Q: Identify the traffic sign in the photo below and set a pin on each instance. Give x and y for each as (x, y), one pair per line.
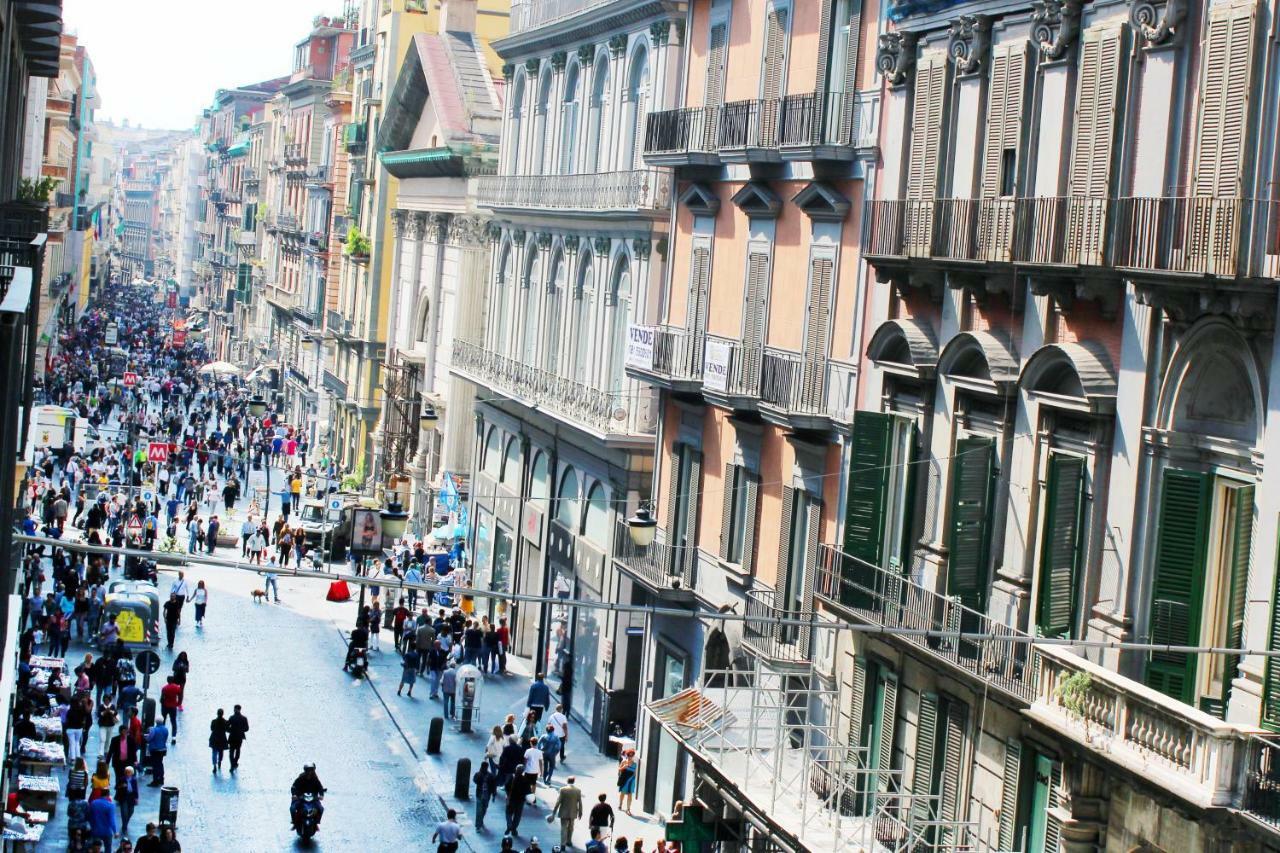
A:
(134, 525)
(158, 451)
(148, 662)
(148, 496)
(336, 503)
(130, 379)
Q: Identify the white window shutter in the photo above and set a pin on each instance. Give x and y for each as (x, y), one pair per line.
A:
(1089, 178)
(927, 110)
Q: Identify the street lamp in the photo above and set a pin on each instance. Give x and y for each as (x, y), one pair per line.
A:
(394, 520)
(642, 527)
(257, 406)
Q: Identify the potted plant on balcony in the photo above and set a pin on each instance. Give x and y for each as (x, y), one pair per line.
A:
(358, 245)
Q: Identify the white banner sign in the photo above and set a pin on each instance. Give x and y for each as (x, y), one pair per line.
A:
(640, 347)
(715, 365)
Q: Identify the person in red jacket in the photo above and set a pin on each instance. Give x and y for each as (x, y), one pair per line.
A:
(170, 698)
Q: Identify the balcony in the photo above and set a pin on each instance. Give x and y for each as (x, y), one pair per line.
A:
(295, 154)
(356, 136)
(805, 393)
(773, 632)
(250, 177)
(247, 238)
(731, 373)
(635, 193)
(995, 654)
(813, 126)
(611, 416)
(667, 356)
(1197, 757)
(318, 175)
(666, 570)
(528, 14)
(1187, 236)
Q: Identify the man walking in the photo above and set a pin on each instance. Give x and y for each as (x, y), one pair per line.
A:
(568, 808)
(170, 699)
(448, 689)
(423, 637)
(157, 749)
(561, 723)
(601, 817)
(539, 697)
(549, 744)
(102, 820)
(237, 731)
(172, 616)
(447, 833)
(126, 797)
(486, 781)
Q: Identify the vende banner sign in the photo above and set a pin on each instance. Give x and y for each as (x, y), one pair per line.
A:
(113, 335)
(158, 451)
(180, 337)
(130, 379)
(715, 365)
(640, 340)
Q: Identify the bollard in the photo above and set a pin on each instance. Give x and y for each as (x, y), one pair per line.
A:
(462, 781)
(148, 713)
(434, 734)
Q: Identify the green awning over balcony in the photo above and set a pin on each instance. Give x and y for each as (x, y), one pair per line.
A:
(442, 161)
(239, 149)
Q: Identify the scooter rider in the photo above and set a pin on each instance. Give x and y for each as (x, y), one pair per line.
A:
(306, 783)
(359, 645)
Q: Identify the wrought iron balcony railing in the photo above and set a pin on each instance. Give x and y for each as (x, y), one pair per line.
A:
(356, 136)
(610, 413)
(772, 631)
(1262, 779)
(809, 126)
(294, 154)
(662, 565)
(1199, 235)
(638, 190)
(996, 653)
(673, 354)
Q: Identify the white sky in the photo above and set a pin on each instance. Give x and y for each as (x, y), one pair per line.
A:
(160, 61)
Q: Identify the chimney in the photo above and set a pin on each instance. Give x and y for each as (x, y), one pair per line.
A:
(458, 16)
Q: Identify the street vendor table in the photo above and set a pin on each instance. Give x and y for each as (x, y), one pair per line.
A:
(38, 793)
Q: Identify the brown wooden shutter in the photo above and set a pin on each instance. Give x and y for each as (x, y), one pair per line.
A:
(817, 331)
(673, 490)
(1089, 178)
(927, 111)
(726, 511)
(784, 540)
(1226, 75)
(717, 56)
(1009, 794)
(922, 771)
(755, 308)
(1004, 133)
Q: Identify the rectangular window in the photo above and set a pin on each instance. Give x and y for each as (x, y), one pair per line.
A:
(736, 493)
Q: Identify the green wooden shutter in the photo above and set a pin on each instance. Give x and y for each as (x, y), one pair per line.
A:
(922, 772)
(1178, 585)
(888, 721)
(1060, 546)
(952, 801)
(869, 459)
(1009, 794)
(751, 482)
(1052, 823)
(1241, 549)
(1271, 677)
(969, 542)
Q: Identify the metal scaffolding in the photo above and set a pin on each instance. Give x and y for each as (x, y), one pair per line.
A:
(400, 417)
(768, 736)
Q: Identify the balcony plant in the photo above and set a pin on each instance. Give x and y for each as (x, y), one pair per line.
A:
(354, 481)
(36, 191)
(358, 245)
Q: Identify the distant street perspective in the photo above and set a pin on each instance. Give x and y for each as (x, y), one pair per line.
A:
(640, 426)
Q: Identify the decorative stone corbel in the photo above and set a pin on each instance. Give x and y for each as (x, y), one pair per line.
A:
(600, 246)
(494, 231)
(543, 239)
(970, 43)
(617, 44)
(558, 60)
(531, 67)
(517, 236)
(1055, 25)
(1153, 29)
(896, 56)
(571, 242)
(640, 248)
(508, 71)
(586, 53)
(658, 31)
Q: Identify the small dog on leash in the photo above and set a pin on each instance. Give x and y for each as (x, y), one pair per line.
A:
(259, 594)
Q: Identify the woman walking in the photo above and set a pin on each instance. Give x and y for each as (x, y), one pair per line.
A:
(201, 599)
(628, 769)
(375, 624)
(218, 739)
(181, 667)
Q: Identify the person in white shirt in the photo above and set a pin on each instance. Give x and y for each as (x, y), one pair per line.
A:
(561, 724)
(532, 768)
(180, 587)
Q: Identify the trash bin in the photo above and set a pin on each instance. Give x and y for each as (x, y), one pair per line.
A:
(169, 805)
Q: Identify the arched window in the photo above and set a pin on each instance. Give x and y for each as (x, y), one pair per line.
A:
(620, 311)
(517, 125)
(597, 119)
(540, 158)
(569, 114)
(540, 481)
(492, 453)
(556, 285)
(511, 464)
(531, 291)
(422, 324)
(503, 287)
(567, 500)
(637, 106)
(596, 524)
(580, 321)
